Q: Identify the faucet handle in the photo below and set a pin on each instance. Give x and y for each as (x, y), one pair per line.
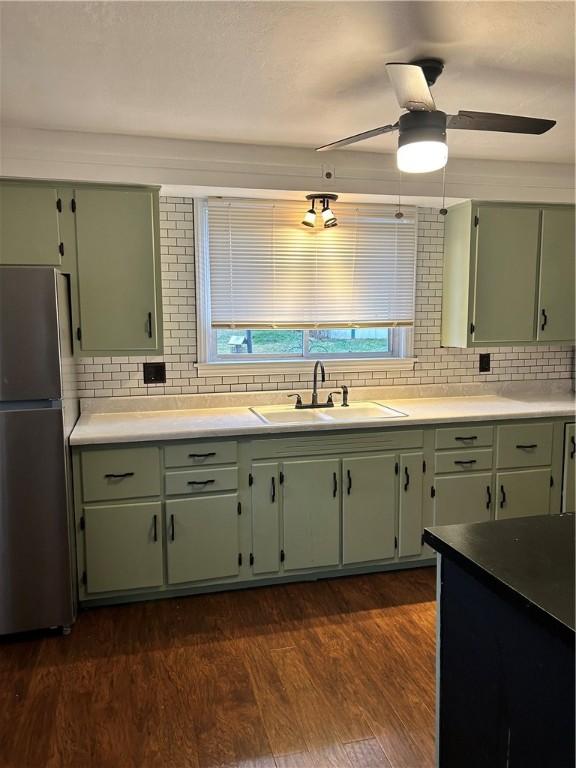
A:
(298, 400)
(344, 396)
(330, 400)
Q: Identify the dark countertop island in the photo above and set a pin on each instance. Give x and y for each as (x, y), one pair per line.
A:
(505, 667)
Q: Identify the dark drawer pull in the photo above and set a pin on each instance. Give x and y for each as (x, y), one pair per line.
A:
(488, 497)
(573, 451)
(171, 527)
(407, 478)
(527, 447)
(200, 482)
(273, 490)
(502, 496)
(201, 455)
(149, 325)
(544, 320)
(472, 437)
(334, 484)
(349, 475)
(468, 461)
(155, 528)
(119, 477)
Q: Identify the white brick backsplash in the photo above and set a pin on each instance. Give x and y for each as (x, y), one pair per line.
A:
(122, 376)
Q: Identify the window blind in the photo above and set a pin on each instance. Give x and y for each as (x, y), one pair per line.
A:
(268, 271)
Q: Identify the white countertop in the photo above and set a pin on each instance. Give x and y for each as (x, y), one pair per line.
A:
(155, 425)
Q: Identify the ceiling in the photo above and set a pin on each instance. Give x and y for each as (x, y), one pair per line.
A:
(286, 73)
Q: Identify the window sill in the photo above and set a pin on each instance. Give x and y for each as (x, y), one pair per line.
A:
(264, 367)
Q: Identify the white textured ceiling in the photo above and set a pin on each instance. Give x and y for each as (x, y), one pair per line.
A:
(286, 73)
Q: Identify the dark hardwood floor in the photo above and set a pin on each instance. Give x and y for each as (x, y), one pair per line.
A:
(330, 674)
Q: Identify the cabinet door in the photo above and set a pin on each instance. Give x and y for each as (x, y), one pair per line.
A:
(557, 277)
(123, 546)
(569, 478)
(265, 517)
(523, 493)
(368, 508)
(505, 275)
(311, 513)
(29, 225)
(203, 538)
(118, 276)
(410, 507)
(463, 498)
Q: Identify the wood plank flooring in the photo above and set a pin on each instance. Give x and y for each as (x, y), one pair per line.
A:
(329, 674)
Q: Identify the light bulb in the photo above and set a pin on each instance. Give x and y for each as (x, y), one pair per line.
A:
(422, 156)
(309, 219)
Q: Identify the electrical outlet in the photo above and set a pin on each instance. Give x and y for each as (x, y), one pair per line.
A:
(154, 373)
(484, 364)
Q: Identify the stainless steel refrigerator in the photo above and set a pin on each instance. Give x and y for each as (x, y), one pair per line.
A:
(38, 409)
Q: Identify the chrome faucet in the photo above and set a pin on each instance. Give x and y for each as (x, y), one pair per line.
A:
(317, 364)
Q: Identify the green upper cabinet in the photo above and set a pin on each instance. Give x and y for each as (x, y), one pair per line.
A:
(29, 225)
(504, 264)
(557, 276)
(118, 270)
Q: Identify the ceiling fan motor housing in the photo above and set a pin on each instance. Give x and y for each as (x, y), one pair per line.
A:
(422, 126)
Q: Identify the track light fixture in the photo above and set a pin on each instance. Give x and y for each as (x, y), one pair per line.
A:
(328, 218)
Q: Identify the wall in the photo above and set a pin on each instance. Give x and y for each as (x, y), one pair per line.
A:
(122, 376)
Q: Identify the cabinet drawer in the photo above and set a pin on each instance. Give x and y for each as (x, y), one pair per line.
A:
(120, 473)
(201, 481)
(465, 437)
(524, 445)
(462, 461)
(201, 454)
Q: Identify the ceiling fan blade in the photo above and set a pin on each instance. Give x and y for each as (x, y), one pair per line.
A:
(410, 87)
(358, 137)
(489, 121)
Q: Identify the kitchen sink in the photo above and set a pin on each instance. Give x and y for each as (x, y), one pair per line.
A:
(360, 411)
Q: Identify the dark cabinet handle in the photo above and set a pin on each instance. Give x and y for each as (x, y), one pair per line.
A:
(273, 490)
(349, 488)
(406, 478)
(155, 527)
(468, 461)
(488, 497)
(527, 447)
(149, 325)
(573, 451)
(119, 477)
(502, 496)
(472, 437)
(544, 320)
(171, 527)
(200, 482)
(201, 455)
(334, 485)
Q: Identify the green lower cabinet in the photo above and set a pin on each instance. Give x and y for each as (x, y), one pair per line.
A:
(368, 508)
(410, 505)
(202, 538)
(29, 225)
(463, 498)
(311, 513)
(523, 493)
(123, 546)
(265, 478)
(568, 475)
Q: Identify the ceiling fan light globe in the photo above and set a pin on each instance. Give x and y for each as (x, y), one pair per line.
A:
(422, 156)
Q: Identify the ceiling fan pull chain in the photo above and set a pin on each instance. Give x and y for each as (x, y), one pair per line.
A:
(443, 211)
(399, 214)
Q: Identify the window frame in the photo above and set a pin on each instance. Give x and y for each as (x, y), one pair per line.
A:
(400, 356)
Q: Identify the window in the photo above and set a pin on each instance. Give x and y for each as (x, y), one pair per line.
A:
(271, 289)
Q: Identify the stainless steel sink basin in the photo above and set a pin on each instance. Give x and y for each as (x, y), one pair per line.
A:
(360, 411)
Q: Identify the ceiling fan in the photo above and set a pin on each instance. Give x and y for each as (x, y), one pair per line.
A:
(422, 129)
